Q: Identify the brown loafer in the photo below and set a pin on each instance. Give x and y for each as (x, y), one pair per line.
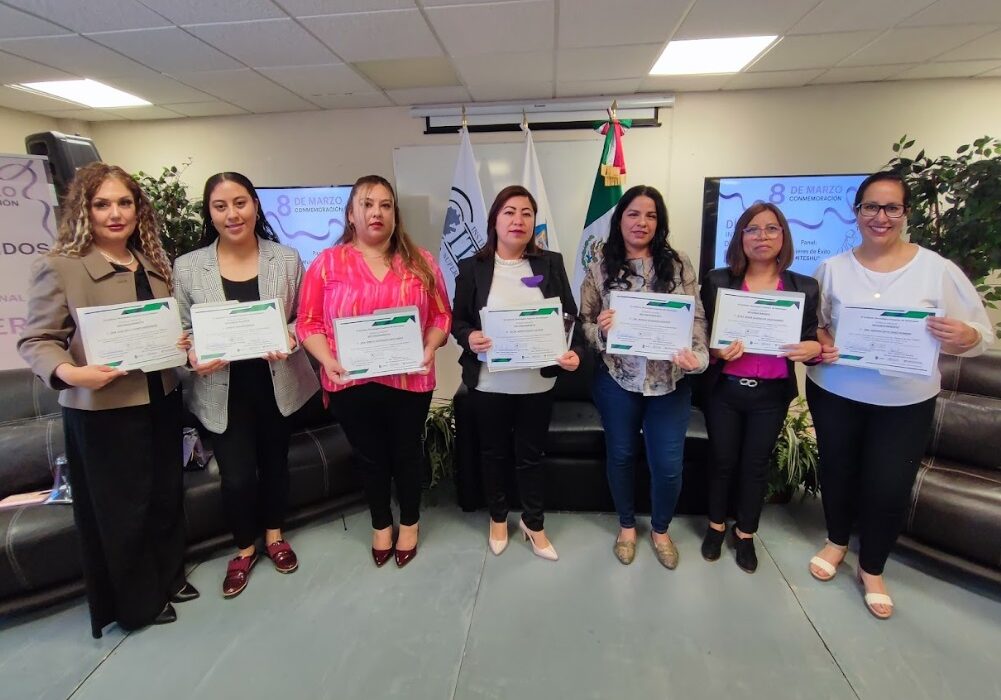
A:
(625, 552)
(282, 555)
(237, 575)
(667, 553)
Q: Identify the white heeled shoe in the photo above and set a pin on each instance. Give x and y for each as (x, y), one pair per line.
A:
(496, 546)
(548, 553)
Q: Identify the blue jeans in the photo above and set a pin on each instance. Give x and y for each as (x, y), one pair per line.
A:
(664, 420)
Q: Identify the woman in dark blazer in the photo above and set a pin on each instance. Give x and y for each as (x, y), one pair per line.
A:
(246, 404)
(512, 405)
(122, 429)
(746, 396)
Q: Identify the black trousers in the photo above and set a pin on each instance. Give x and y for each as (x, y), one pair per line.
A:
(869, 456)
(125, 472)
(252, 455)
(385, 427)
(513, 428)
(743, 423)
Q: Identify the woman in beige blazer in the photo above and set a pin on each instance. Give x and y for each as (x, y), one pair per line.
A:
(246, 404)
(123, 430)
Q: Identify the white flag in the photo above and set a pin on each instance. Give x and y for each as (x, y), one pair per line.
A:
(531, 180)
(465, 229)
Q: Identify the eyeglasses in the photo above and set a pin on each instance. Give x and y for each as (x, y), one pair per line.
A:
(871, 209)
(769, 231)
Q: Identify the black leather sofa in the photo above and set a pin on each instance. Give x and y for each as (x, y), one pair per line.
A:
(39, 550)
(574, 459)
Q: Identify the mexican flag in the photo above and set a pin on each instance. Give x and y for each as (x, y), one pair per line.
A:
(604, 196)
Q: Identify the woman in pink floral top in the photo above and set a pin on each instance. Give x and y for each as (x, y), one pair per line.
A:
(376, 266)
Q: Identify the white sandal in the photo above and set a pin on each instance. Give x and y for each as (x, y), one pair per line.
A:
(824, 565)
(872, 599)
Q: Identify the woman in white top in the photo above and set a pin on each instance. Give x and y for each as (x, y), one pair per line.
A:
(872, 427)
(512, 408)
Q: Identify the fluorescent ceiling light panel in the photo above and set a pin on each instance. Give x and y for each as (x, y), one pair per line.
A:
(89, 93)
(704, 56)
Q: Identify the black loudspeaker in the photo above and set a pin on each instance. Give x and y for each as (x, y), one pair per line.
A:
(66, 155)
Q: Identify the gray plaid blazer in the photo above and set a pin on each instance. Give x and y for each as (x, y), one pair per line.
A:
(197, 280)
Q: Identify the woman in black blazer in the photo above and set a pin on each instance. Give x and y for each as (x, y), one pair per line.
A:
(516, 404)
(746, 396)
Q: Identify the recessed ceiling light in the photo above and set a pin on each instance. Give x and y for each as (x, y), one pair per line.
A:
(89, 93)
(701, 56)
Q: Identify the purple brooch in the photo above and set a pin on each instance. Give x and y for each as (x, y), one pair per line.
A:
(533, 281)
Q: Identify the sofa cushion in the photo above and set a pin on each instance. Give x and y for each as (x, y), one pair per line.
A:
(967, 429)
(28, 448)
(972, 375)
(25, 396)
(39, 547)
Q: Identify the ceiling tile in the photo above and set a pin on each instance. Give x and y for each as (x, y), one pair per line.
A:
(308, 81)
(15, 24)
(14, 69)
(76, 55)
(585, 25)
(856, 15)
(144, 113)
(684, 83)
(200, 11)
(956, 12)
(424, 96)
(230, 84)
(521, 91)
(725, 18)
(584, 88)
(536, 66)
(859, 74)
(410, 73)
(85, 115)
(953, 69)
(812, 51)
(157, 88)
(94, 15)
(375, 36)
(306, 8)
(265, 104)
(772, 79)
(494, 28)
(265, 43)
(991, 74)
(606, 63)
(442, 3)
(212, 108)
(913, 44)
(170, 50)
(986, 47)
(356, 101)
(30, 102)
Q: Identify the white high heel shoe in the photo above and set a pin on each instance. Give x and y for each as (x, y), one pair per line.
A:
(545, 552)
(497, 546)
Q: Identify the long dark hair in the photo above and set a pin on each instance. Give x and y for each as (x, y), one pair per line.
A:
(617, 269)
(736, 258)
(490, 247)
(262, 227)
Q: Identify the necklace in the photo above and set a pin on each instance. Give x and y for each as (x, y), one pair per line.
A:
(111, 259)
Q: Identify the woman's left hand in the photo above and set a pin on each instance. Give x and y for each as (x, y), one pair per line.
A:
(953, 333)
(803, 351)
(428, 363)
(569, 361)
(686, 360)
(184, 342)
(278, 355)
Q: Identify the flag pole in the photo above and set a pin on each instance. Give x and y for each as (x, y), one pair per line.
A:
(464, 122)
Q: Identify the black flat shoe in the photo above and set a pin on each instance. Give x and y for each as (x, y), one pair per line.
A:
(747, 558)
(166, 616)
(187, 592)
(712, 544)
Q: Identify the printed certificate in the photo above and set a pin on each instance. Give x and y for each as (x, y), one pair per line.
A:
(651, 325)
(139, 335)
(525, 336)
(235, 330)
(386, 342)
(764, 321)
(892, 339)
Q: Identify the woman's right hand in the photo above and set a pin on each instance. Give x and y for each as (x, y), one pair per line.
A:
(604, 320)
(91, 377)
(335, 372)
(730, 353)
(478, 342)
(207, 368)
(829, 353)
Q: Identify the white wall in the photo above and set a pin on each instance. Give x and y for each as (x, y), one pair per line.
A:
(14, 126)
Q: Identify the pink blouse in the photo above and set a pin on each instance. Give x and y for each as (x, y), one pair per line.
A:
(758, 366)
(339, 283)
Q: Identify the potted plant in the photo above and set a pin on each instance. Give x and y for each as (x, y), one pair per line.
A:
(956, 207)
(180, 217)
(795, 457)
(439, 442)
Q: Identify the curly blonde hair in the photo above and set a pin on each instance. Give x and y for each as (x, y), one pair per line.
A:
(75, 237)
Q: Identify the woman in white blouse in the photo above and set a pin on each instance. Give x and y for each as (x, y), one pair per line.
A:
(872, 426)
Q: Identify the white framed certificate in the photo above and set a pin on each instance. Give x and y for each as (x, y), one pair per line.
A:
(764, 321)
(524, 336)
(891, 339)
(376, 345)
(652, 325)
(234, 330)
(140, 335)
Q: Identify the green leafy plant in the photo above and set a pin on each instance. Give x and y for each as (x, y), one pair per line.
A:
(795, 456)
(180, 217)
(956, 207)
(439, 441)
